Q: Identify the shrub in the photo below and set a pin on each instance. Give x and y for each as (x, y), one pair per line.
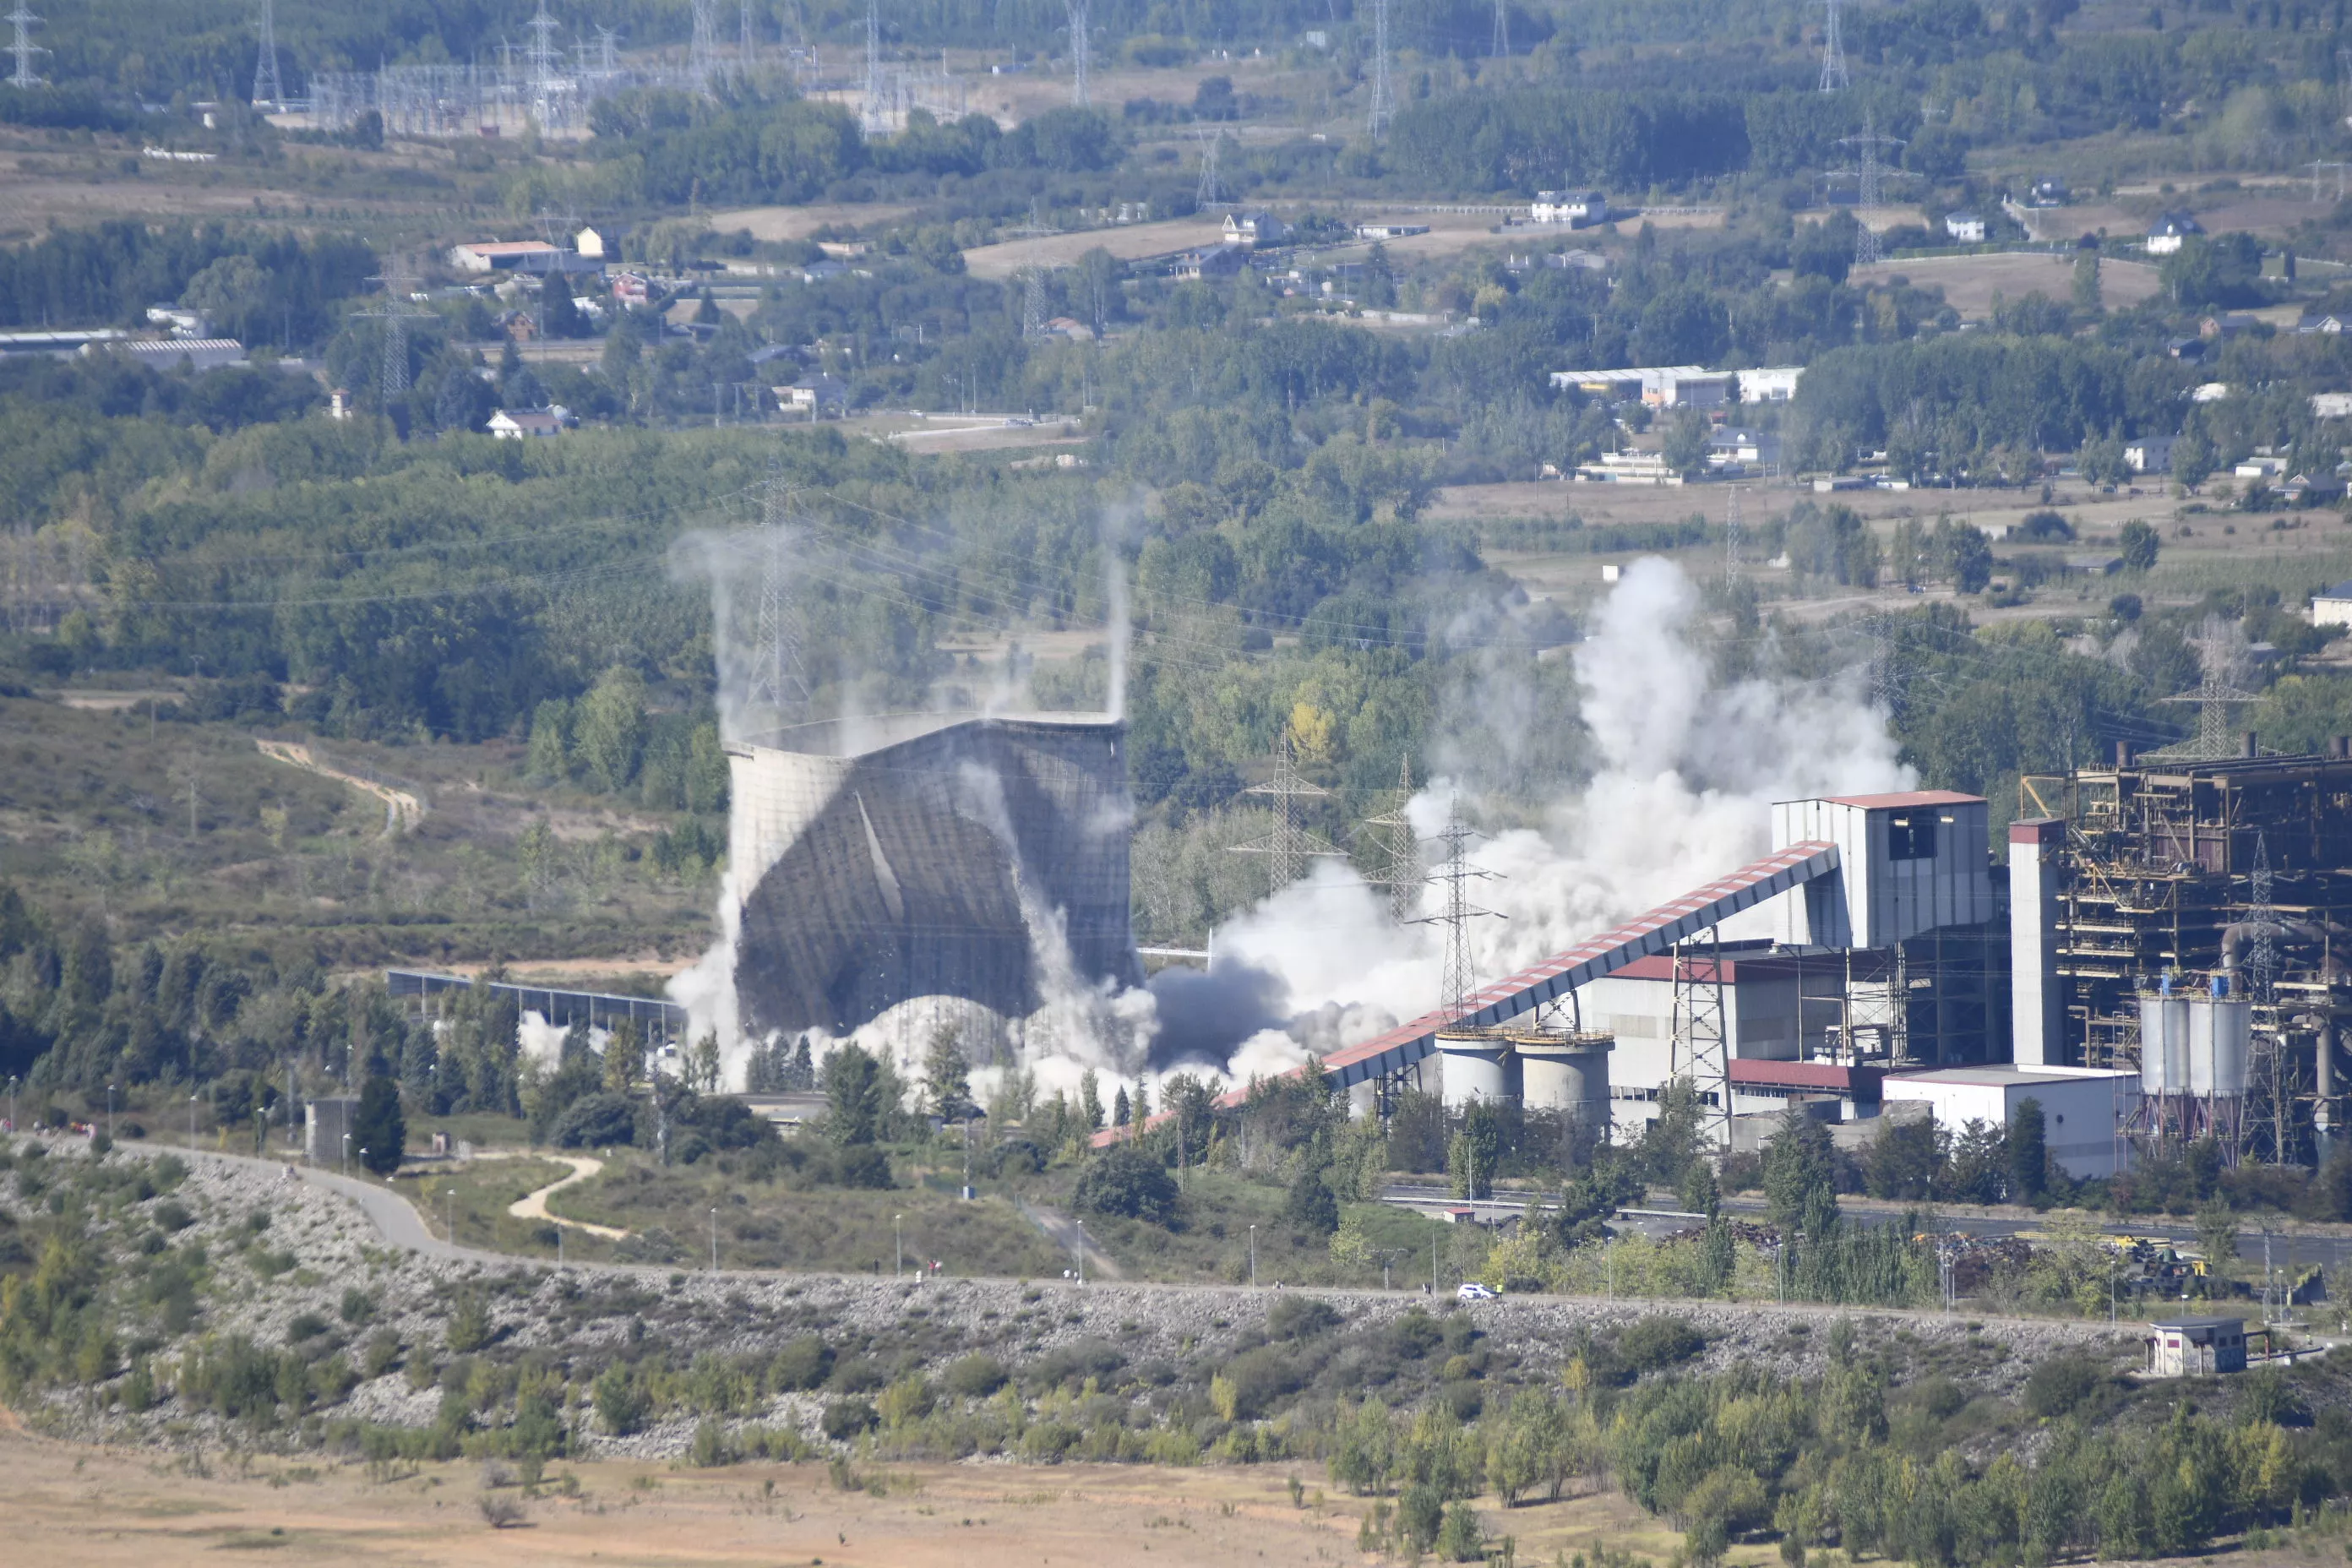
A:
(712, 1448)
(1124, 1181)
(358, 1305)
(2055, 1387)
(469, 1325)
(1300, 1317)
(845, 1418)
(1460, 1540)
(596, 1121)
(172, 1217)
(859, 1375)
(501, 1512)
(860, 1165)
(802, 1364)
(1072, 1365)
(1655, 1343)
(305, 1325)
(975, 1376)
(621, 1404)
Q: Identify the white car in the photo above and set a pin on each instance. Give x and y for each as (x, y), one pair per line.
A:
(1472, 1290)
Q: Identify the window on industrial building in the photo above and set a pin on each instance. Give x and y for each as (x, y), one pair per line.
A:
(1911, 837)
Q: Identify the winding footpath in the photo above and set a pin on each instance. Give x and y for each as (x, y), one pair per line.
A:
(533, 1204)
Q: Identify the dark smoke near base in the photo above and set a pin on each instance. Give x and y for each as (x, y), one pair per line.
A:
(1205, 1017)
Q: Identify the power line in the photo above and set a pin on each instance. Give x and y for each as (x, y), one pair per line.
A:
(1869, 194)
(1080, 46)
(1383, 108)
(1459, 979)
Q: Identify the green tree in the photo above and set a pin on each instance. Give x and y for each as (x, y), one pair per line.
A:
(2192, 457)
(549, 758)
(2140, 542)
(2217, 1238)
(1476, 1150)
(1686, 443)
(610, 731)
(379, 1130)
(1310, 1204)
(946, 1077)
(2029, 1152)
(1460, 1540)
(1090, 1105)
(1799, 1171)
(853, 1096)
(1124, 1179)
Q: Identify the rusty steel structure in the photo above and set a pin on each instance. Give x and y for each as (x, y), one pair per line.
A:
(2229, 876)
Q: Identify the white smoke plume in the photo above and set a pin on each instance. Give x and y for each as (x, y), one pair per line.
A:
(1687, 772)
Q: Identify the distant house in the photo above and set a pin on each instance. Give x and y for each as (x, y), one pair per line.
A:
(2332, 606)
(823, 396)
(2317, 321)
(1771, 383)
(1735, 447)
(2227, 324)
(2186, 348)
(2331, 406)
(2208, 392)
(821, 270)
(339, 405)
(2168, 234)
(2049, 193)
(1390, 230)
(527, 424)
(1590, 261)
(1217, 261)
(589, 244)
(2148, 454)
(632, 289)
(1968, 229)
(502, 254)
(1577, 209)
(1249, 230)
(1629, 468)
(1070, 327)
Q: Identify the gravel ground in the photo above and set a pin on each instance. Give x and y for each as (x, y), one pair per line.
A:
(583, 1310)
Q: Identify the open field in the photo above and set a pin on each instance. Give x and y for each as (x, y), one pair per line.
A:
(1970, 282)
(1127, 242)
(774, 224)
(68, 1503)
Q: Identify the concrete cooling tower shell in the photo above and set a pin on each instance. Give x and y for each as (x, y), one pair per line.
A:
(890, 860)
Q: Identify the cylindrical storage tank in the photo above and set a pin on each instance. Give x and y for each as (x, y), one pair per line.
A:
(1474, 1067)
(1570, 1075)
(2225, 1037)
(2163, 1044)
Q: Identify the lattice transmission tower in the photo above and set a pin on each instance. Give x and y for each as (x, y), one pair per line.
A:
(702, 50)
(1383, 108)
(1080, 48)
(1731, 537)
(268, 93)
(25, 22)
(1396, 850)
(1870, 182)
(1212, 192)
(1501, 47)
(1458, 981)
(2216, 698)
(1835, 77)
(1292, 844)
(396, 311)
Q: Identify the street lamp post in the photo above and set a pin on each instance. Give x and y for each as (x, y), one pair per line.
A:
(1082, 1252)
(191, 1118)
(363, 1165)
(12, 1102)
(1253, 1257)
(898, 1249)
(110, 1113)
(714, 1241)
(449, 1213)
(347, 1154)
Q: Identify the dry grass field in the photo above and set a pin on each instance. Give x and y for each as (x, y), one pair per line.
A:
(104, 1507)
(1970, 282)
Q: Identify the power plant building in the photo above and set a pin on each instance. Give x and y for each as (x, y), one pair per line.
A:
(883, 861)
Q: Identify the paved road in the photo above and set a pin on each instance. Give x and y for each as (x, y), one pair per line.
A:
(2331, 1248)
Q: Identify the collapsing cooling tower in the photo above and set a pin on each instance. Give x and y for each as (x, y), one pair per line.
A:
(888, 860)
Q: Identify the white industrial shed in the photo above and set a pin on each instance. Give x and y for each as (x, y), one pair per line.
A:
(2084, 1109)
